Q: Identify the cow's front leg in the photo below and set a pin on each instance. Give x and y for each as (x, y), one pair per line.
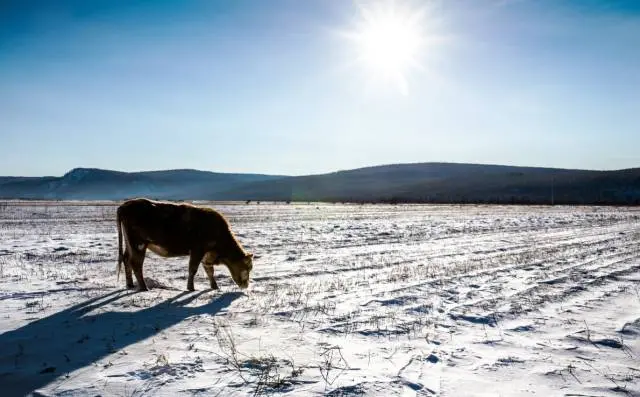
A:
(194, 262)
(210, 259)
(208, 267)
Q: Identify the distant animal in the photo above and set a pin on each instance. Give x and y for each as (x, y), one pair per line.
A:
(172, 230)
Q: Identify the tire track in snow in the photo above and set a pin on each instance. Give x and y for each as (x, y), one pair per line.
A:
(586, 246)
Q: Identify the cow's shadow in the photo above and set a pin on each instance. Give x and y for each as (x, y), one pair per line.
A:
(39, 352)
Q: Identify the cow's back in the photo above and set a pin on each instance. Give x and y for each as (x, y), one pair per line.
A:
(163, 224)
(178, 228)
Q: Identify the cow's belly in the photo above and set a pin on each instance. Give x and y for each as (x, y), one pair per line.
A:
(167, 252)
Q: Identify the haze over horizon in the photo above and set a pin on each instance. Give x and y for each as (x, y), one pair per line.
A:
(295, 88)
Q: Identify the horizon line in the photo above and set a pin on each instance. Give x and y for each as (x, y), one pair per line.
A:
(320, 173)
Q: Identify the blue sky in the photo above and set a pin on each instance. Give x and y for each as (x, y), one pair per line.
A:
(274, 87)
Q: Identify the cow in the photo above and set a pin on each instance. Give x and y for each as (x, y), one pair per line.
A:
(178, 229)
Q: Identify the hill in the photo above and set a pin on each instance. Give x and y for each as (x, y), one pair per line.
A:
(98, 184)
(453, 183)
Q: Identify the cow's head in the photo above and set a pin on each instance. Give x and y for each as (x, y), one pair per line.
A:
(240, 269)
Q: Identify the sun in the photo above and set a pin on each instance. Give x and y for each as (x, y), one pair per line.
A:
(389, 41)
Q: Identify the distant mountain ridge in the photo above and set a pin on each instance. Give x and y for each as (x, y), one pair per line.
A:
(99, 184)
(417, 182)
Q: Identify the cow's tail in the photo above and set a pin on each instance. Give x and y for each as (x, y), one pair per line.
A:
(120, 252)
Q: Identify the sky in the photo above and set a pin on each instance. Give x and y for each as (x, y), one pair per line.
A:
(302, 87)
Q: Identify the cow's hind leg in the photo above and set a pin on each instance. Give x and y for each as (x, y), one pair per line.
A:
(136, 260)
(194, 262)
(128, 274)
(126, 254)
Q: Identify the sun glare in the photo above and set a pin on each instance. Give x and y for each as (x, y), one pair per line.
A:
(389, 41)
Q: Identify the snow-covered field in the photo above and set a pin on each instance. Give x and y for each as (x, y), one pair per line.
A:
(345, 300)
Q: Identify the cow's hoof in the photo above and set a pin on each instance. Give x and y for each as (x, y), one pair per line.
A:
(131, 286)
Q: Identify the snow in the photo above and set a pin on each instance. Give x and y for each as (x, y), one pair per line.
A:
(378, 300)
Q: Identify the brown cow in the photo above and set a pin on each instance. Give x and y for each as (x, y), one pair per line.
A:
(171, 230)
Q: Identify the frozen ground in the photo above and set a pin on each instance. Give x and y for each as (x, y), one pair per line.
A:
(345, 300)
